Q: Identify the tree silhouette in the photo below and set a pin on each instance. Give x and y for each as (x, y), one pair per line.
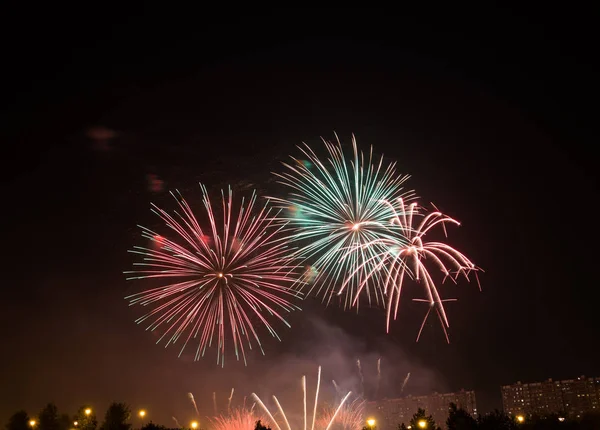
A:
(116, 417)
(402, 426)
(152, 426)
(496, 421)
(18, 421)
(48, 418)
(65, 422)
(260, 426)
(459, 419)
(86, 422)
(590, 421)
(417, 420)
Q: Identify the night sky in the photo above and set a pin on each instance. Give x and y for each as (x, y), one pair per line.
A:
(492, 118)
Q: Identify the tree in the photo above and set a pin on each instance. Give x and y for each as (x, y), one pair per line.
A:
(65, 422)
(152, 426)
(459, 419)
(402, 427)
(86, 421)
(590, 421)
(422, 421)
(116, 417)
(496, 421)
(260, 426)
(18, 421)
(48, 418)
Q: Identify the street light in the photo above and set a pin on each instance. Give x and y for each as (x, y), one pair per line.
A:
(88, 411)
(142, 413)
(561, 419)
(32, 423)
(371, 422)
(75, 423)
(422, 424)
(520, 418)
(194, 424)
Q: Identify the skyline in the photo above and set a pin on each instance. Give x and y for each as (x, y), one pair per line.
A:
(493, 128)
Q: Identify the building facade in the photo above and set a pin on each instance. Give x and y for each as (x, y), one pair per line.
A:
(572, 397)
(390, 412)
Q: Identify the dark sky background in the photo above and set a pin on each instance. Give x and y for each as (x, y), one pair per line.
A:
(491, 116)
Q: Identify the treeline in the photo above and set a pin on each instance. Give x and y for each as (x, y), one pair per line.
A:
(460, 419)
(117, 417)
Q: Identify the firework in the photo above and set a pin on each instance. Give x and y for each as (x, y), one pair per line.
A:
(400, 260)
(405, 382)
(238, 419)
(362, 378)
(222, 276)
(191, 397)
(378, 378)
(322, 426)
(229, 401)
(333, 206)
(349, 417)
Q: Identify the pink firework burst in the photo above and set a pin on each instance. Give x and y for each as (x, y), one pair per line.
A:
(225, 278)
(238, 419)
(350, 416)
(411, 253)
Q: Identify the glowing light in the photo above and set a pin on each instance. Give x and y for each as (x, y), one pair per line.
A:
(88, 411)
(32, 423)
(520, 418)
(219, 288)
(422, 424)
(370, 422)
(194, 424)
(75, 423)
(142, 413)
(561, 419)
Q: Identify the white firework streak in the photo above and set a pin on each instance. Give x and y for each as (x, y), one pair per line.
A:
(314, 417)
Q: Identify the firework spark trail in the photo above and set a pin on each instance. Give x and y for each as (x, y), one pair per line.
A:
(215, 402)
(176, 422)
(224, 275)
(378, 378)
(229, 401)
(334, 205)
(191, 397)
(350, 416)
(362, 379)
(404, 382)
(287, 423)
(338, 410)
(316, 398)
(338, 392)
(262, 405)
(304, 398)
(399, 260)
(238, 419)
(270, 415)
